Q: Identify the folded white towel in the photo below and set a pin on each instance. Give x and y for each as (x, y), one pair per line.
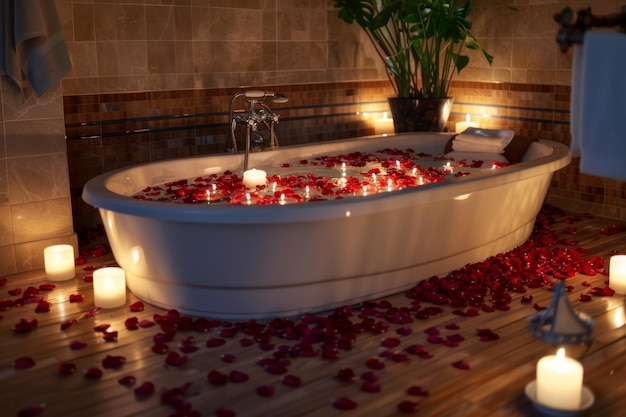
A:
(598, 103)
(475, 139)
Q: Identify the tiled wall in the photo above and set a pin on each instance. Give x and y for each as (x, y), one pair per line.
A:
(146, 61)
(35, 209)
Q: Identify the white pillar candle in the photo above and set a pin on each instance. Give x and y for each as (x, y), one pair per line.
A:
(109, 287)
(254, 177)
(59, 262)
(384, 125)
(461, 126)
(617, 274)
(559, 382)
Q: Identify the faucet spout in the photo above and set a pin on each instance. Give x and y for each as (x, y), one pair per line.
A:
(256, 114)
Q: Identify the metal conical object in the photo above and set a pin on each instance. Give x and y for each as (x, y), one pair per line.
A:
(560, 324)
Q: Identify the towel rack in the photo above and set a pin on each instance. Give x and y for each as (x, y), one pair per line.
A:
(575, 23)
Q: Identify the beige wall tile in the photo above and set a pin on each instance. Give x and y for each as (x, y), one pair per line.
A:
(130, 22)
(34, 137)
(84, 23)
(37, 178)
(41, 220)
(6, 229)
(160, 23)
(7, 260)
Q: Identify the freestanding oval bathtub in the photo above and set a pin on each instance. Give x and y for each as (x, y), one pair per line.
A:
(234, 261)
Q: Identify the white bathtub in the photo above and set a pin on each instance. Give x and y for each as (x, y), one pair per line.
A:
(235, 262)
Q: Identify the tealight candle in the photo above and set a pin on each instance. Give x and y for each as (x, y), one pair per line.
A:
(461, 126)
(559, 382)
(384, 125)
(59, 262)
(109, 287)
(617, 274)
(254, 177)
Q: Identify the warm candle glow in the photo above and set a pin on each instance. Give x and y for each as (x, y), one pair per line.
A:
(109, 287)
(384, 125)
(559, 382)
(461, 126)
(617, 274)
(59, 262)
(254, 177)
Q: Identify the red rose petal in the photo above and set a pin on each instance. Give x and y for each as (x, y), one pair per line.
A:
(346, 375)
(101, 327)
(43, 307)
(67, 324)
(344, 403)
(374, 363)
(461, 365)
(25, 325)
(370, 387)
(110, 336)
(408, 406)
(131, 323)
(215, 342)
(390, 342)
(146, 323)
(77, 345)
(93, 373)
(113, 362)
(67, 368)
(584, 297)
(144, 390)
(292, 381)
(137, 306)
(175, 359)
(23, 363)
(217, 378)
(452, 326)
(370, 377)
(238, 377)
(160, 348)
(229, 358)
(265, 390)
(127, 380)
(88, 278)
(75, 298)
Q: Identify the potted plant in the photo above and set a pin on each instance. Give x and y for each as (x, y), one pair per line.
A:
(421, 43)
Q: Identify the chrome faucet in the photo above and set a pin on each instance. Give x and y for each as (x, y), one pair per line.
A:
(256, 114)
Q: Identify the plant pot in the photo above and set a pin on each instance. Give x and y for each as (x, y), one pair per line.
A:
(420, 115)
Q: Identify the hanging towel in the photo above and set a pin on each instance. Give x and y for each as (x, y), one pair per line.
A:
(599, 105)
(32, 44)
(475, 139)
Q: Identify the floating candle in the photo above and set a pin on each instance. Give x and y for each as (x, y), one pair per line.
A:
(59, 262)
(461, 126)
(559, 382)
(617, 274)
(384, 125)
(109, 287)
(254, 177)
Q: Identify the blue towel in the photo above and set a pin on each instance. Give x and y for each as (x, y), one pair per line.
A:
(32, 44)
(599, 105)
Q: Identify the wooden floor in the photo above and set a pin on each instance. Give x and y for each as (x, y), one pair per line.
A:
(493, 386)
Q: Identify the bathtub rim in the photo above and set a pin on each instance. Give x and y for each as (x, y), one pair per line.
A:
(97, 194)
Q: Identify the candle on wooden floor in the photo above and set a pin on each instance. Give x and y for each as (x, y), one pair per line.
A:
(109, 287)
(59, 262)
(559, 381)
(617, 274)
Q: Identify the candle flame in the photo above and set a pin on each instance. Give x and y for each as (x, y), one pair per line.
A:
(468, 118)
(560, 354)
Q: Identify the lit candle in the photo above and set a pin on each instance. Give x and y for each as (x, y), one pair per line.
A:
(109, 287)
(59, 262)
(559, 382)
(254, 177)
(617, 274)
(461, 126)
(384, 125)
